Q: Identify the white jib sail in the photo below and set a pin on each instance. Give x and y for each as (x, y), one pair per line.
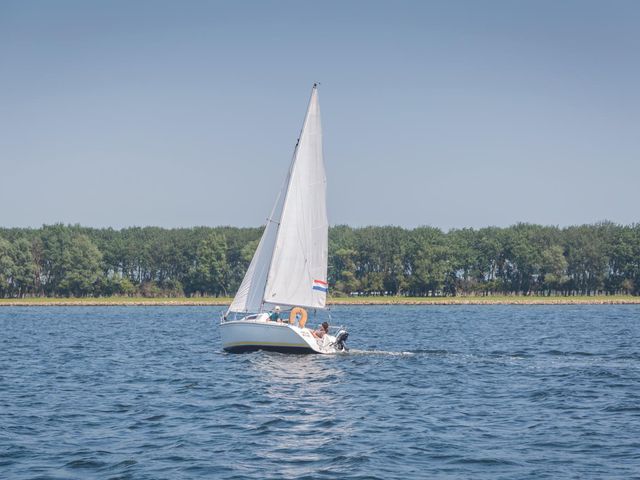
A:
(289, 266)
(249, 297)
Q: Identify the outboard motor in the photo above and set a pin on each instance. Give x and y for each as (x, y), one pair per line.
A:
(341, 338)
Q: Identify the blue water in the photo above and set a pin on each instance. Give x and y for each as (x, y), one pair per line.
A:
(478, 392)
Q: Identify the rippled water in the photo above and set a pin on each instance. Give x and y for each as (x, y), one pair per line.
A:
(447, 392)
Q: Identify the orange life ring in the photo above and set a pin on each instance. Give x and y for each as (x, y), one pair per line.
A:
(303, 316)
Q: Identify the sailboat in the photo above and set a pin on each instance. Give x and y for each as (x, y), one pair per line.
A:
(289, 267)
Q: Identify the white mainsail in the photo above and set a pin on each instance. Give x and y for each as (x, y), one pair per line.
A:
(289, 266)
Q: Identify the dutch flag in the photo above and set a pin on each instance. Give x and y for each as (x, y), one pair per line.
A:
(320, 285)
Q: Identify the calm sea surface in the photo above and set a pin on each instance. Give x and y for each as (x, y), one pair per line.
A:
(458, 392)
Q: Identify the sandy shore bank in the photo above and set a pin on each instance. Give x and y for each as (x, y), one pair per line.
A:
(494, 300)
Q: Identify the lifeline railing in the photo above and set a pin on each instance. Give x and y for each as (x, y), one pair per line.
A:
(233, 316)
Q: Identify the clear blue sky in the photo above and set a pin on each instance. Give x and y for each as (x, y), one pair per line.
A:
(451, 114)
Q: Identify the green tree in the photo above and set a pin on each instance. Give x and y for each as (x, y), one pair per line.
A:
(553, 268)
(6, 267)
(80, 267)
(210, 271)
(24, 268)
(587, 262)
(342, 271)
(429, 261)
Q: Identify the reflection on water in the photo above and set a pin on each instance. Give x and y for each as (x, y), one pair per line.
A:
(295, 370)
(298, 408)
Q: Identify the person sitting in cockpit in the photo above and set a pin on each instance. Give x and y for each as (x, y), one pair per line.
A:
(321, 331)
(275, 315)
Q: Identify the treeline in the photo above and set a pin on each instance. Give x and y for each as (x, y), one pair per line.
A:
(59, 260)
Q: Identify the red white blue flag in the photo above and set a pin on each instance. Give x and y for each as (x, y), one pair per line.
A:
(320, 285)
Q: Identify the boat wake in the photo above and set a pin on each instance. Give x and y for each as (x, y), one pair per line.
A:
(354, 351)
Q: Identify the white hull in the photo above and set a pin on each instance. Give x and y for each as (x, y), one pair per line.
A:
(257, 333)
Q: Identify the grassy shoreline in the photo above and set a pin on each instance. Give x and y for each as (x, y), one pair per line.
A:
(223, 301)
